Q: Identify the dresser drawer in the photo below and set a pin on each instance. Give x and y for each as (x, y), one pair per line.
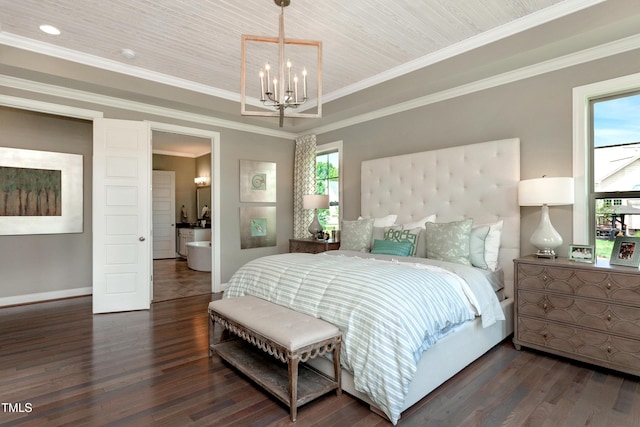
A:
(615, 287)
(309, 248)
(603, 316)
(594, 347)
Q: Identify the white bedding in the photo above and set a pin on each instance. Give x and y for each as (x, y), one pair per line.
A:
(388, 311)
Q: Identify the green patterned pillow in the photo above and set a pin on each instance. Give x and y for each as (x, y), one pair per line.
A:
(398, 234)
(449, 241)
(389, 247)
(356, 235)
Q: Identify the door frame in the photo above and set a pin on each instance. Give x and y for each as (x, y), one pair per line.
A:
(90, 115)
(216, 285)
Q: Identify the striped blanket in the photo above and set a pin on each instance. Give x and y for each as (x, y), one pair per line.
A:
(388, 312)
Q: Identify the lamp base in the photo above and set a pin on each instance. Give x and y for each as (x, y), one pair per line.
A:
(546, 253)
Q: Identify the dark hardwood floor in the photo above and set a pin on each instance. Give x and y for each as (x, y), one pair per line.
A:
(62, 366)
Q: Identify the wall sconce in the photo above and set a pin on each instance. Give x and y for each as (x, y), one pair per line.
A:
(201, 181)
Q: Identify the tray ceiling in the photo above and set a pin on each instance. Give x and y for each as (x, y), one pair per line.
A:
(199, 41)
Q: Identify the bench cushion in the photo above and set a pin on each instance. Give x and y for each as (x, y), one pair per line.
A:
(287, 327)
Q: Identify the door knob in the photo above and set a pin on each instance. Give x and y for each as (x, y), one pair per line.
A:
(141, 238)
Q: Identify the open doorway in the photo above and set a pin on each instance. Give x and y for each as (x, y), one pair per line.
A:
(187, 161)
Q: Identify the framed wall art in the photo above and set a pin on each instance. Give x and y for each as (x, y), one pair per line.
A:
(626, 251)
(40, 192)
(257, 181)
(257, 226)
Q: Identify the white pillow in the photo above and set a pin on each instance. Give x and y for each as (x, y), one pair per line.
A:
(420, 223)
(492, 245)
(384, 221)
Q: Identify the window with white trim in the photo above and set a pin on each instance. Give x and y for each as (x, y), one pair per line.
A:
(614, 172)
(328, 181)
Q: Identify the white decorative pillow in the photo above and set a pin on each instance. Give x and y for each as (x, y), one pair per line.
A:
(384, 221)
(356, 235)
(420, 223)
(492, 245)
(449, 241)
(477, 241)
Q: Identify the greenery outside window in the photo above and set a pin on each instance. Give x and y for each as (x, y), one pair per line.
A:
(328, 181)
(615, 169)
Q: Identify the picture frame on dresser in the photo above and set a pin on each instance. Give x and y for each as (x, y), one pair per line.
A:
(626, 251)
(582, 253)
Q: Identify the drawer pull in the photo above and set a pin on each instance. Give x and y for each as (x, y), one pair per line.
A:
(544, 306)
(608, 285)
(609, 349)
(544, 335)
(545, 278)
(608, 317)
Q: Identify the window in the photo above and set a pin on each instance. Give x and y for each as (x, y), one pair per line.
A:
(328, 165)
(615, 169)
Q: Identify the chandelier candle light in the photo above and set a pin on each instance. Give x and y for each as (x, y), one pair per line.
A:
(282, 88)
(546, 192)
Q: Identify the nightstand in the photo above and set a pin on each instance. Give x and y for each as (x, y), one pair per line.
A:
(312, 246)
(586, 312)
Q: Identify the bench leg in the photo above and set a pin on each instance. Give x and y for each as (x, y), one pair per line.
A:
(337, 371)
(293, 387)
(211, 330)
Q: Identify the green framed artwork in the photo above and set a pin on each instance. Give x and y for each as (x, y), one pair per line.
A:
(257, 226)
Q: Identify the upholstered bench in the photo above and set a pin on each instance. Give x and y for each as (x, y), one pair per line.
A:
(285, 334)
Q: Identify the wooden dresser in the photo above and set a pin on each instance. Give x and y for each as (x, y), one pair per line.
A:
(583, 311)
(312, 246)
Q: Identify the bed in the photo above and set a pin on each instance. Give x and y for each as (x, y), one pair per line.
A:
(477, 182)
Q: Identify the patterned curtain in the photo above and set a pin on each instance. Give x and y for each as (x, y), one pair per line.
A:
(304, 182)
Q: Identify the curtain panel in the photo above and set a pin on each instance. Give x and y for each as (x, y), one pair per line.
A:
(304, 182)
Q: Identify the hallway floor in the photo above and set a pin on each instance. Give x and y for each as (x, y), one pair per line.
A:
(172, 279)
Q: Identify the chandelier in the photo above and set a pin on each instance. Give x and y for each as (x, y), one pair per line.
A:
(285, 86)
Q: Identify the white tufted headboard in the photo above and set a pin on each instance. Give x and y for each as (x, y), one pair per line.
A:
(478, 181)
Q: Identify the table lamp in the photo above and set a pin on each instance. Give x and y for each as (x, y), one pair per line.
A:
(546, 192)
(315, 202)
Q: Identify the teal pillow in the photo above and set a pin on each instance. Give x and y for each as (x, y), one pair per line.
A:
(399, 235)
(389, 247)
(449, 241)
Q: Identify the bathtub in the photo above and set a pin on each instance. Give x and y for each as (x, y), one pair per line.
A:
(199, 255)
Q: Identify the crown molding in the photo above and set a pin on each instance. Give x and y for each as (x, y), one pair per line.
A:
(78, 95)
(31, 45)
(587, 55)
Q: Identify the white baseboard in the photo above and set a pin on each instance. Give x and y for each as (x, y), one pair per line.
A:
(45, 296)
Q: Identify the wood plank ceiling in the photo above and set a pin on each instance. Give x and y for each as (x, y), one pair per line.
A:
(199, 40)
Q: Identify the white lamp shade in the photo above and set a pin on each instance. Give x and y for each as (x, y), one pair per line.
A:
(546, 191)
(315, 201)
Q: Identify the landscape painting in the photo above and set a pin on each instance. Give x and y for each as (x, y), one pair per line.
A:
(30, 192)
(41, 192)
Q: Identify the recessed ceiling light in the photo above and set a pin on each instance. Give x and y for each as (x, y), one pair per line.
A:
(50, 29)
(128, 53)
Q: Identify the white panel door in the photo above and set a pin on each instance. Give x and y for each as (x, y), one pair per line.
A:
(121, 216)
(163, 192)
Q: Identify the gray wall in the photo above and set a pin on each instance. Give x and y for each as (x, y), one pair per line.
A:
(52, 263)
(537, 110)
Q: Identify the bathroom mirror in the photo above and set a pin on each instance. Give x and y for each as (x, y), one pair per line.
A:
(203, 198)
